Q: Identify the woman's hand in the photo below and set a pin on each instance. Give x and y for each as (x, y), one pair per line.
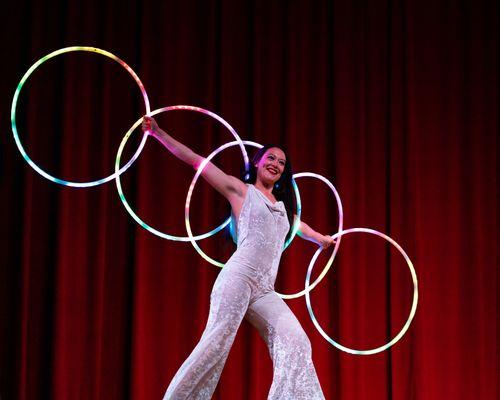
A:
(149, 125)
(326, 241)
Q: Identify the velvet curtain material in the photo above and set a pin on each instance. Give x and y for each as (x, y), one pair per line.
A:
(394, 102)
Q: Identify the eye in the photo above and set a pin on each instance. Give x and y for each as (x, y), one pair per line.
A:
(282, 163)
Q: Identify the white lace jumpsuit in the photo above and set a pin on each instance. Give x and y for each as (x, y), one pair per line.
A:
(245, 288)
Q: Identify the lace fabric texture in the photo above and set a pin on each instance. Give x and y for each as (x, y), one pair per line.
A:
(245, 288)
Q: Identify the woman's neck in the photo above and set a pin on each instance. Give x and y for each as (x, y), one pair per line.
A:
(263, 187)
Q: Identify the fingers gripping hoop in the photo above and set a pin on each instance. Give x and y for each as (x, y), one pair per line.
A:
(14, 109)
(413, 306)
(123, 199)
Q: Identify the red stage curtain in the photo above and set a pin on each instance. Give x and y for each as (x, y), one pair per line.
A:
(395, 102)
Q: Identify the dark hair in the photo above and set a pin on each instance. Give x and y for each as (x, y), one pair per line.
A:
(283, 189)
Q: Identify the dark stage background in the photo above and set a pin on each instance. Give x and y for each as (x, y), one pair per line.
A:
(395, 102)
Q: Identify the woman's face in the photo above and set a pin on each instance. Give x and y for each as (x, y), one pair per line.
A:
(271, 165)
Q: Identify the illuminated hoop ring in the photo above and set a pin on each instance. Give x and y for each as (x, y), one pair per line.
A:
(14, 107)
(190, 192)
(413, 307)
(119, 185)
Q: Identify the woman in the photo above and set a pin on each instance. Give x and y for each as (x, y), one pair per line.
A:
(245, 286)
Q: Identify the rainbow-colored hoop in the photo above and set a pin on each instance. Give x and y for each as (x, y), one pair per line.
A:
(413, 306)
(123, 199)
(16, 98)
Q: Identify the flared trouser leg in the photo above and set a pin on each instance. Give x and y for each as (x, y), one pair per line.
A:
(199, 374)
(294, 376)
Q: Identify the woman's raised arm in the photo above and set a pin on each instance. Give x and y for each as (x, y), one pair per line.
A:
(227, 185)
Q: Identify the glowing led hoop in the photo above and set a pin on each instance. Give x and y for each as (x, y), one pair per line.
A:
(14, 107)
(190, 192)
(413, 307)
(119, 185)
(328, 264)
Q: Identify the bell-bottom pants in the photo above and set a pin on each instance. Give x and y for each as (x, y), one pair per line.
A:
(233, 297)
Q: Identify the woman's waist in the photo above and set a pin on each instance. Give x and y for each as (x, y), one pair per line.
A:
(252, 256)
(253, 266)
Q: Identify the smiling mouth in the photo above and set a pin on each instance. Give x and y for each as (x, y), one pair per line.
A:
(273, 171)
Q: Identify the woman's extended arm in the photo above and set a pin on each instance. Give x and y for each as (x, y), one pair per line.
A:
(225, 184)
(308, 233)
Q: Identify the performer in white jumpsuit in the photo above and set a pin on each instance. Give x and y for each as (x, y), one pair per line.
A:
(245, 286)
